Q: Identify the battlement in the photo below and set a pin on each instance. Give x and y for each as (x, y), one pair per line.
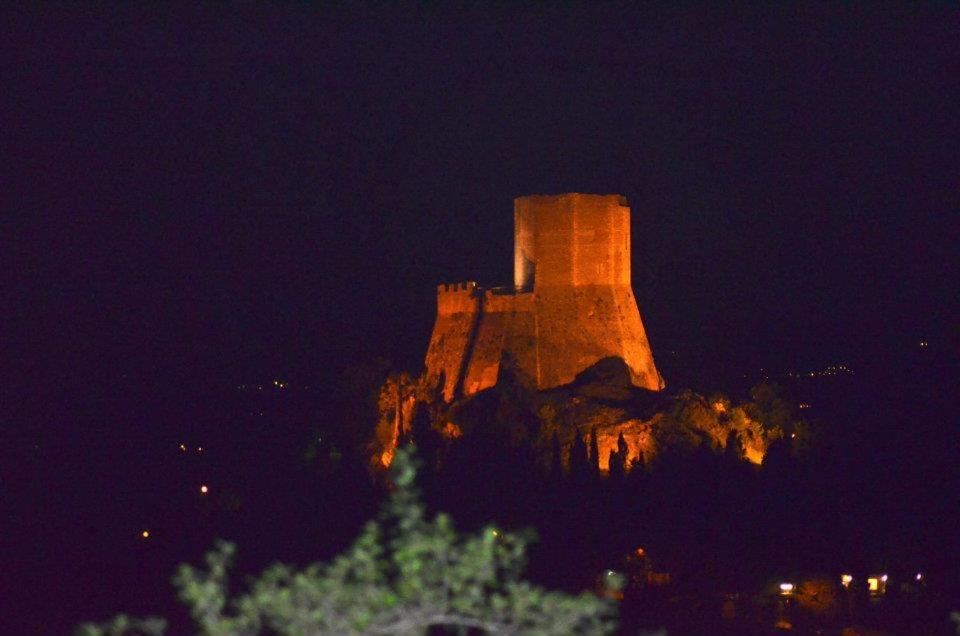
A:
(449, 288)
(458, 298)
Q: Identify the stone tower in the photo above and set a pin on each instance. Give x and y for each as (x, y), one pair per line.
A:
(571, 303)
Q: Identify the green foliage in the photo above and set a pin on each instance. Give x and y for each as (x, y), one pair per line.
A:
(403, 575)
(122, 625)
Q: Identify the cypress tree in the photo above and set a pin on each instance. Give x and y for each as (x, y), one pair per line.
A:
(617, 470)
(594, 453)
(579, 461)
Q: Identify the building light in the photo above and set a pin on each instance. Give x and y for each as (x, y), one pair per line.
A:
(204, 489)
(877, 584)
(919, 576)
(145, 534)
(786, 589)
(183, 448)
(846, 580)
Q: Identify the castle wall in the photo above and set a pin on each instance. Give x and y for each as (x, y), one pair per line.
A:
(579, 326)
(458, 311)
(506, 324)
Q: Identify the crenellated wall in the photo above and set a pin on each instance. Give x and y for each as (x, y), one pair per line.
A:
(458, 310)
(571, 305)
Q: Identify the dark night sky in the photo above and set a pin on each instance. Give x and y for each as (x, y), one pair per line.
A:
(205, 196)
(197, 198)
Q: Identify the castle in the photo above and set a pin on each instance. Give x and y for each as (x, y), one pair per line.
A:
(571, 303)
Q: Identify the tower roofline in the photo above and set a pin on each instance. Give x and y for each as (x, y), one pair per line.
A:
(621, 199)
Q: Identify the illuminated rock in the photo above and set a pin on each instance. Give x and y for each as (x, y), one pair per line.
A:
(570, 306)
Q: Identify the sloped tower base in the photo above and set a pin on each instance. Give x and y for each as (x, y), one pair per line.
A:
(571, 304)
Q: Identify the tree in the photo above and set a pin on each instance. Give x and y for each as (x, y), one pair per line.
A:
(405, 574)
(619, 458)
(616, 467)
(556, 459)
(579, 460)
(594, 453)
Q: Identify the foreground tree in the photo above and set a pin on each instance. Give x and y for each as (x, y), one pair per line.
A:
(405, 574)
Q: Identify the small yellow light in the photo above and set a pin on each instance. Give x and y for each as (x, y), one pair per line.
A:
(204, 489)
(846, 580)
(183, 448)
(874, 583)
(786, 589)
(145, 534)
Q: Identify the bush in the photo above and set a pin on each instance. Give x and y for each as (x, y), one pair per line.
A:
(405, 574)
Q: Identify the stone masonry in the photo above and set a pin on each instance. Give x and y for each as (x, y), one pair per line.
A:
(571, 303)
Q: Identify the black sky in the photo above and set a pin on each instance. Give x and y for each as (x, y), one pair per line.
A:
(218, 195)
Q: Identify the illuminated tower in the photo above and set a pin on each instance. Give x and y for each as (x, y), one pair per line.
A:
(571, 303)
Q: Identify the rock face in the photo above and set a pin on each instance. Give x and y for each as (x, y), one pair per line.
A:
(570, 306)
